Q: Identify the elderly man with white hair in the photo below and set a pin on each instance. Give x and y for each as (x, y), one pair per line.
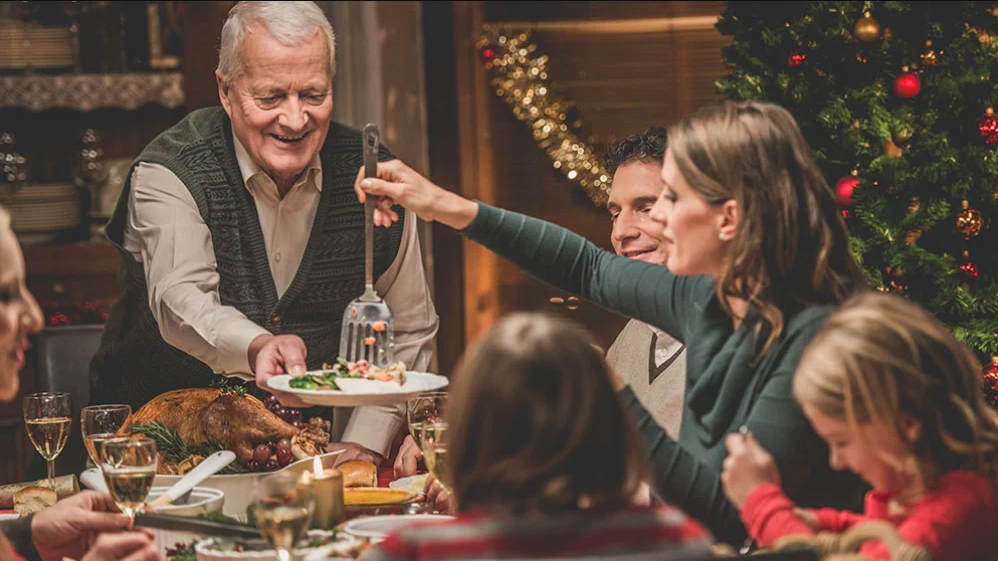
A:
(242, 240)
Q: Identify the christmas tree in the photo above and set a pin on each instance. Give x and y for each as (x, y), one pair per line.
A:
(896, 99)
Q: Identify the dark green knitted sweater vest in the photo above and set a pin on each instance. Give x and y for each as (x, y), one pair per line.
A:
(134, 363)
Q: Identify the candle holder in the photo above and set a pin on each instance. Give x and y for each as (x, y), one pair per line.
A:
(327, 487)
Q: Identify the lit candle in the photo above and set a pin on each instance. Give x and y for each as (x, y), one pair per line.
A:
(327, 487)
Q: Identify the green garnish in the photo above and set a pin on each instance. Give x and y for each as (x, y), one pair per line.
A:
(177, 450)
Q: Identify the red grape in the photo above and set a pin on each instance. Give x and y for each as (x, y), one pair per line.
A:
(273, 447)
(279, 411)
(253, 465)
(283, 444)
(299, 425)
(293, 415)
(284, 456)
(271, 401)
(261, 454)
(272, 465)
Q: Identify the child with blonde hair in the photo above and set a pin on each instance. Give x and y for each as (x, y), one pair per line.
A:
(897, 398)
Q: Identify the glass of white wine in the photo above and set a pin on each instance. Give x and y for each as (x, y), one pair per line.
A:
(99, 423)
(423, 408)
(48, 419)
(282, 507)
(435, 451)
(129, 466)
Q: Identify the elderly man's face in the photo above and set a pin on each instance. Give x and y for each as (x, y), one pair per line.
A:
(281, 104)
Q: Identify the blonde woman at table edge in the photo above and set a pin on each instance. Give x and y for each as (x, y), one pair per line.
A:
(758, 257)
(63, 531)
(542, 458)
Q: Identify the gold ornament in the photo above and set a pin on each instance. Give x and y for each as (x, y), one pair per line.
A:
(867, 29)
(969, 221)
(520, 78)
(891, 149)
(929, 57)
(901, 135)
(912, 236)
(914, 205)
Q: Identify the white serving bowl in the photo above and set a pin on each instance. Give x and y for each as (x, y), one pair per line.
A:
(202, 500)
(238, 488)
(209, 550)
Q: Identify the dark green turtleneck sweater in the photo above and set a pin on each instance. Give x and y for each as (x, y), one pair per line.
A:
(723, 390)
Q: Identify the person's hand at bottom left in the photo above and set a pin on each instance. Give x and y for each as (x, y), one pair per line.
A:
(124, 546)
(70, 527)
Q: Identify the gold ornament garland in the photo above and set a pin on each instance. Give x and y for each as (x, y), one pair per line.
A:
(520, 78)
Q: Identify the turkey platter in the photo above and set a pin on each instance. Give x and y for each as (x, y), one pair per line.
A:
(190, 424)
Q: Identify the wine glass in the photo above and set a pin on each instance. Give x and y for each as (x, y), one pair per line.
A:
(434, 440)
(47, 417)
(424, 407)
(129, 466)
(282, 507)
(99, 423)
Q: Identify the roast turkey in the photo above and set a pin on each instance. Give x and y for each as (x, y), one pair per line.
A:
(197, 415)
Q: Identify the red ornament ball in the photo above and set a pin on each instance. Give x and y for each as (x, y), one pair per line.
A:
(844, 188)
(907, 85)
(797, 59)
(969, 270)
(489, 54)
(988, 125)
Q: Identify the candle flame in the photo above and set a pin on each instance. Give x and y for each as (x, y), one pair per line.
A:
(317, 466)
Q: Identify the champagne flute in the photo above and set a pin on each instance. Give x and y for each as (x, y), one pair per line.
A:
(424, 407)
(129, 466)
(99, 423)
(435, 451)
(47, 417)
(283, 507)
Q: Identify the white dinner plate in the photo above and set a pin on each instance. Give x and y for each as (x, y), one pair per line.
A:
(377, 528)
(387, 394)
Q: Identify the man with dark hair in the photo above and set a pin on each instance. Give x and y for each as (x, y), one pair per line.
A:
(649, 360)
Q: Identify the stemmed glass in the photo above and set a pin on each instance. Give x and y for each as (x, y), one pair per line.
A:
(282, 507)
(129, 467)
(47, 417)
(424, 407)
(434, 447)
(99, 423)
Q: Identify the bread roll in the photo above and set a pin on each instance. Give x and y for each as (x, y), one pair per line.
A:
(359, 474)
(65, 486)
(33, 499)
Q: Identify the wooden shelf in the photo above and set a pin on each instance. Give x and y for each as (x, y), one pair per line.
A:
(86, 92)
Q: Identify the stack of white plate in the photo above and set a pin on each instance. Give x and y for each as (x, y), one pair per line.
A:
(28, 45)
(40, 211)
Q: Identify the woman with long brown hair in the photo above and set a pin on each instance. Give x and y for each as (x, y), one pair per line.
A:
(85, 526)
(542, 458)
(758, 257)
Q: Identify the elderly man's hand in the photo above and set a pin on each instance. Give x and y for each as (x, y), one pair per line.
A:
(397, 183)
(407, 461)
(353, 451)
(70, 527)
(271, 356)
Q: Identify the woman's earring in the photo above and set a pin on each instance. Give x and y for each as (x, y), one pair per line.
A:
(724, 236)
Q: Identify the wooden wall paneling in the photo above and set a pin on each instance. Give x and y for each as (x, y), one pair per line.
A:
(442, 132)
(202, 29)
(477, 171)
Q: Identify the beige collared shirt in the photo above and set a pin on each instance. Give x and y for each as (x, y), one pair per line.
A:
(166, 233)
